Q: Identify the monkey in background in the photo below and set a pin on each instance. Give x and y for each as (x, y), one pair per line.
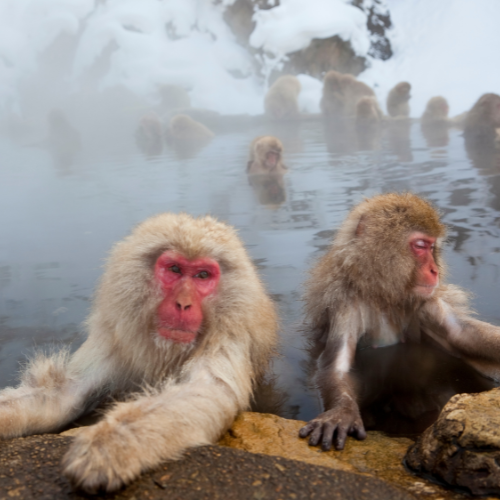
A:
(435, 122)
(368, 122)
(186, 135)
(341, 93)
(397, 100)
(265, 170)
(149, 134)
(281, 98)
(266, 156)
(381, 283)
(179, 312)
(482, 122)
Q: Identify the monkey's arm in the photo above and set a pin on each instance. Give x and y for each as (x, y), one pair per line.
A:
(338, 394)
(447, 321)
(159, 425)
(53, 392)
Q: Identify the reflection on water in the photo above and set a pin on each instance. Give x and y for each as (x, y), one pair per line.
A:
(57, 229)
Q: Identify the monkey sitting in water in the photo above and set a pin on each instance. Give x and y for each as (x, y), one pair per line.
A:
(182, 325)
(265, 170)
(381, 283)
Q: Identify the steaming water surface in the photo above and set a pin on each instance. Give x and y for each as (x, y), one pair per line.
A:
(58, 223)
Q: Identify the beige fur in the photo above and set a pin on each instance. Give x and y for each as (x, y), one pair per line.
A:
(281, 98)
(259, 147)
(397, 100)
(191, 394)
(341, 93)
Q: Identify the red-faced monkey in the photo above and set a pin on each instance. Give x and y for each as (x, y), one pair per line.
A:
(397, 100)
(266, 156)
(179, 312)
(281, 98)
(379, 284)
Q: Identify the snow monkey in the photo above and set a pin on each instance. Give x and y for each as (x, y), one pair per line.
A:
(181, 321)
(187, 135)
(397, 100)
(379, 284)
(435, 122)
(341, 94)
(483, 121)
(281, 98)
(266, 153)
(149, 134)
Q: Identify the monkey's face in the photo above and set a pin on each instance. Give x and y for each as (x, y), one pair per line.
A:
(426, 272)
(184, 284)
(272, 158)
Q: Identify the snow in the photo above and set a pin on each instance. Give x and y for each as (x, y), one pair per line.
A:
(449, 48)
(445, 48)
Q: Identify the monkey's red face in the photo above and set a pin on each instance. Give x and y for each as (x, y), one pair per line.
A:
(185, 284)
(272, 159)
(427, 278)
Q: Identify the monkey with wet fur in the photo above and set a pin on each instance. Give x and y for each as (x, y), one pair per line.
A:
(379, 284)
(266, 153)
(397, 100)
(482, 121)
(179, 312)
(281, 98)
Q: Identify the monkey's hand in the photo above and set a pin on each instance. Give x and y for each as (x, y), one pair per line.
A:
(336, 424)
(102, 457)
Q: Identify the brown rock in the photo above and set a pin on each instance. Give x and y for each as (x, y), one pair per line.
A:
(378, 455)
(463, 447)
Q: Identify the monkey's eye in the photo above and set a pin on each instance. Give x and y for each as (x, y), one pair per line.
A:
(175, 269)
(202, 275)
(420, 244)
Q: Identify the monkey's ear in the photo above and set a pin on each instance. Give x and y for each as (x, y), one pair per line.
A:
(360, 228)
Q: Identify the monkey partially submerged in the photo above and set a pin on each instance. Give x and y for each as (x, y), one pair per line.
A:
(181, 322)
(377, 285)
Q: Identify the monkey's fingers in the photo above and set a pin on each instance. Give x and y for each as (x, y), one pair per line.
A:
(358, 431)
(341, 437)
(316, 434)
(328, 430)
(307, 429)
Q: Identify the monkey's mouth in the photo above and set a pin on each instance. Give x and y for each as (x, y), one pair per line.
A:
(177, 335)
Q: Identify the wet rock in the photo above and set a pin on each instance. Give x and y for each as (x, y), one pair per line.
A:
(463, 447)
(30, 469)
(378, 456)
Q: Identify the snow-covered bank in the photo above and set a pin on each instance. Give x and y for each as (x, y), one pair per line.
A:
(448, 48)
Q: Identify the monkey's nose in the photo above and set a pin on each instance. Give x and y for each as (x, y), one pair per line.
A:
(183, 304)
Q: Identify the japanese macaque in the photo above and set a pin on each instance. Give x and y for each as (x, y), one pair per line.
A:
(482, 122)
(266, 156)
(397, 100)
(265, 170)
(281, 98)
(341, 94)
(182, 324)
(368, 122)
(149, 134)
(435, 122)
(186, 135)
(381, 283)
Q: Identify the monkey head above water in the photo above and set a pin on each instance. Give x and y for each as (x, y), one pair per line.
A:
(266, 156)
(380, 283)
(181, 312)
